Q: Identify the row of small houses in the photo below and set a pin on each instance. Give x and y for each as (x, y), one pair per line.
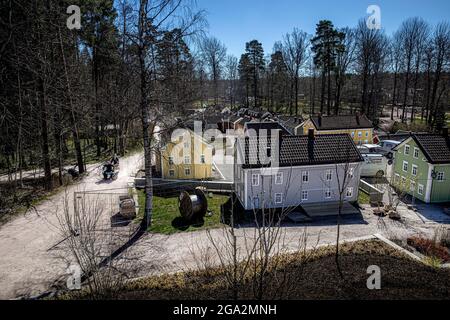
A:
(318, 161)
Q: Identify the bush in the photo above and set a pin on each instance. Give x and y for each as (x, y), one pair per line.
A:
(429, 248)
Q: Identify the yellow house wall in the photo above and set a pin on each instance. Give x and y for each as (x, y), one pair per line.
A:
(197, 170)
(366, 134)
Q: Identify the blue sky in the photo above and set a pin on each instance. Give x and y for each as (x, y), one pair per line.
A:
(235, 22)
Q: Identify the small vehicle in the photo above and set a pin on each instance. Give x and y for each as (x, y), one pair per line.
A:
(375, 165)
(376, 160)
(108, 171)
(388, 145)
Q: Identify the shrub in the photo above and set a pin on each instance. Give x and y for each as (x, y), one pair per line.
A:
(429, 248)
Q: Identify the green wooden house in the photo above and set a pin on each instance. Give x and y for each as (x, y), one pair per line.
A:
(422, 167)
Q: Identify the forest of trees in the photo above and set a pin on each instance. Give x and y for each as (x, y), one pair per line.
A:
(72, 96)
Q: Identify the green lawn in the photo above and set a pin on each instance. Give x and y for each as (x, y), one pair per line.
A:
(167, 219)
(363, 198)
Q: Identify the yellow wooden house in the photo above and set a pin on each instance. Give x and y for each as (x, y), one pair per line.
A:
(187, 157)
(359, 127)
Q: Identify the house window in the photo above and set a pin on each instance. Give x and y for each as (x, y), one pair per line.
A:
(304, 195)
(255, 180)
(349, 192)
(359, 134)
(305, 176)
(255, 202)
(187, 171)
(420, 189)
(186, 145)
(353, 134)
(367, 134)
(351, 172)
(278, 198)
(407, 149)
(327, 194)
(202, 159)
(405, 166)
(414, 170)
(366, 141)
(279, 178)
(328, 175)
(440, 176)
(170, 160)
(403, 181)
(416, 153)
(171, 173)
(397, 178)
(187, 160)
(412, 186)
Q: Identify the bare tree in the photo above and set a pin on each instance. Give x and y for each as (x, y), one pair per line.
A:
(214, 54)
(231, 68)
(295, 53)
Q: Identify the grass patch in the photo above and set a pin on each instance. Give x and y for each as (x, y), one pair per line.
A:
(167, 219)
(363, 198)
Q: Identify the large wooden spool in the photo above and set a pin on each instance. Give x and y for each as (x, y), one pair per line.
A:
(193, 207)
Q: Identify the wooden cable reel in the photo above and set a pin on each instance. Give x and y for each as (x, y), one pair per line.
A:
(193, 207)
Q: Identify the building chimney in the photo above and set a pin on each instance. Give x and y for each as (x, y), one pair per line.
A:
(357, 117)
(310, 134)
(320, 119)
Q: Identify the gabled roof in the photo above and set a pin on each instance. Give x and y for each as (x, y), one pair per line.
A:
(266, 125)
(341, 122)
(302, 151)
(435, 147)
(290, 123)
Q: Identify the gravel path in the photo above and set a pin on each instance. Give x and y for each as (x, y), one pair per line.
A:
(27, 267)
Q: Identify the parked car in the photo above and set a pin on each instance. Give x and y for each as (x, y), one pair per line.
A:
(388, 145)
(375, 165)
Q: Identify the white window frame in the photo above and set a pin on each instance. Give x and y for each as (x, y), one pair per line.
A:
(412, 186)
(187, 159)
(407, 149)
(412, 170)
(186, 170)
(403, 182)
(171, 161)
(202, 159)
(305, 174)
(171, 173)
(349, 192)
(359, 134)
(279, 178)
(419, 188)
(367, 134)
(351, 172)
(278, 198)
(255, 175)
(329, 174)
(440, 176)
(403, 166)
(396, 178)
(353, 134)
(328, 193)
(416, 150)
(304, 192)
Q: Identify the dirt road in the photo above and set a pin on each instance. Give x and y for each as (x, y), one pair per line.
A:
(27, 266)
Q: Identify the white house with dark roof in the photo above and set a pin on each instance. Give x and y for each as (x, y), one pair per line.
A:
(296, 170)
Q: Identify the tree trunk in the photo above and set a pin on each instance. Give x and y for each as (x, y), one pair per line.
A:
(44, 136)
